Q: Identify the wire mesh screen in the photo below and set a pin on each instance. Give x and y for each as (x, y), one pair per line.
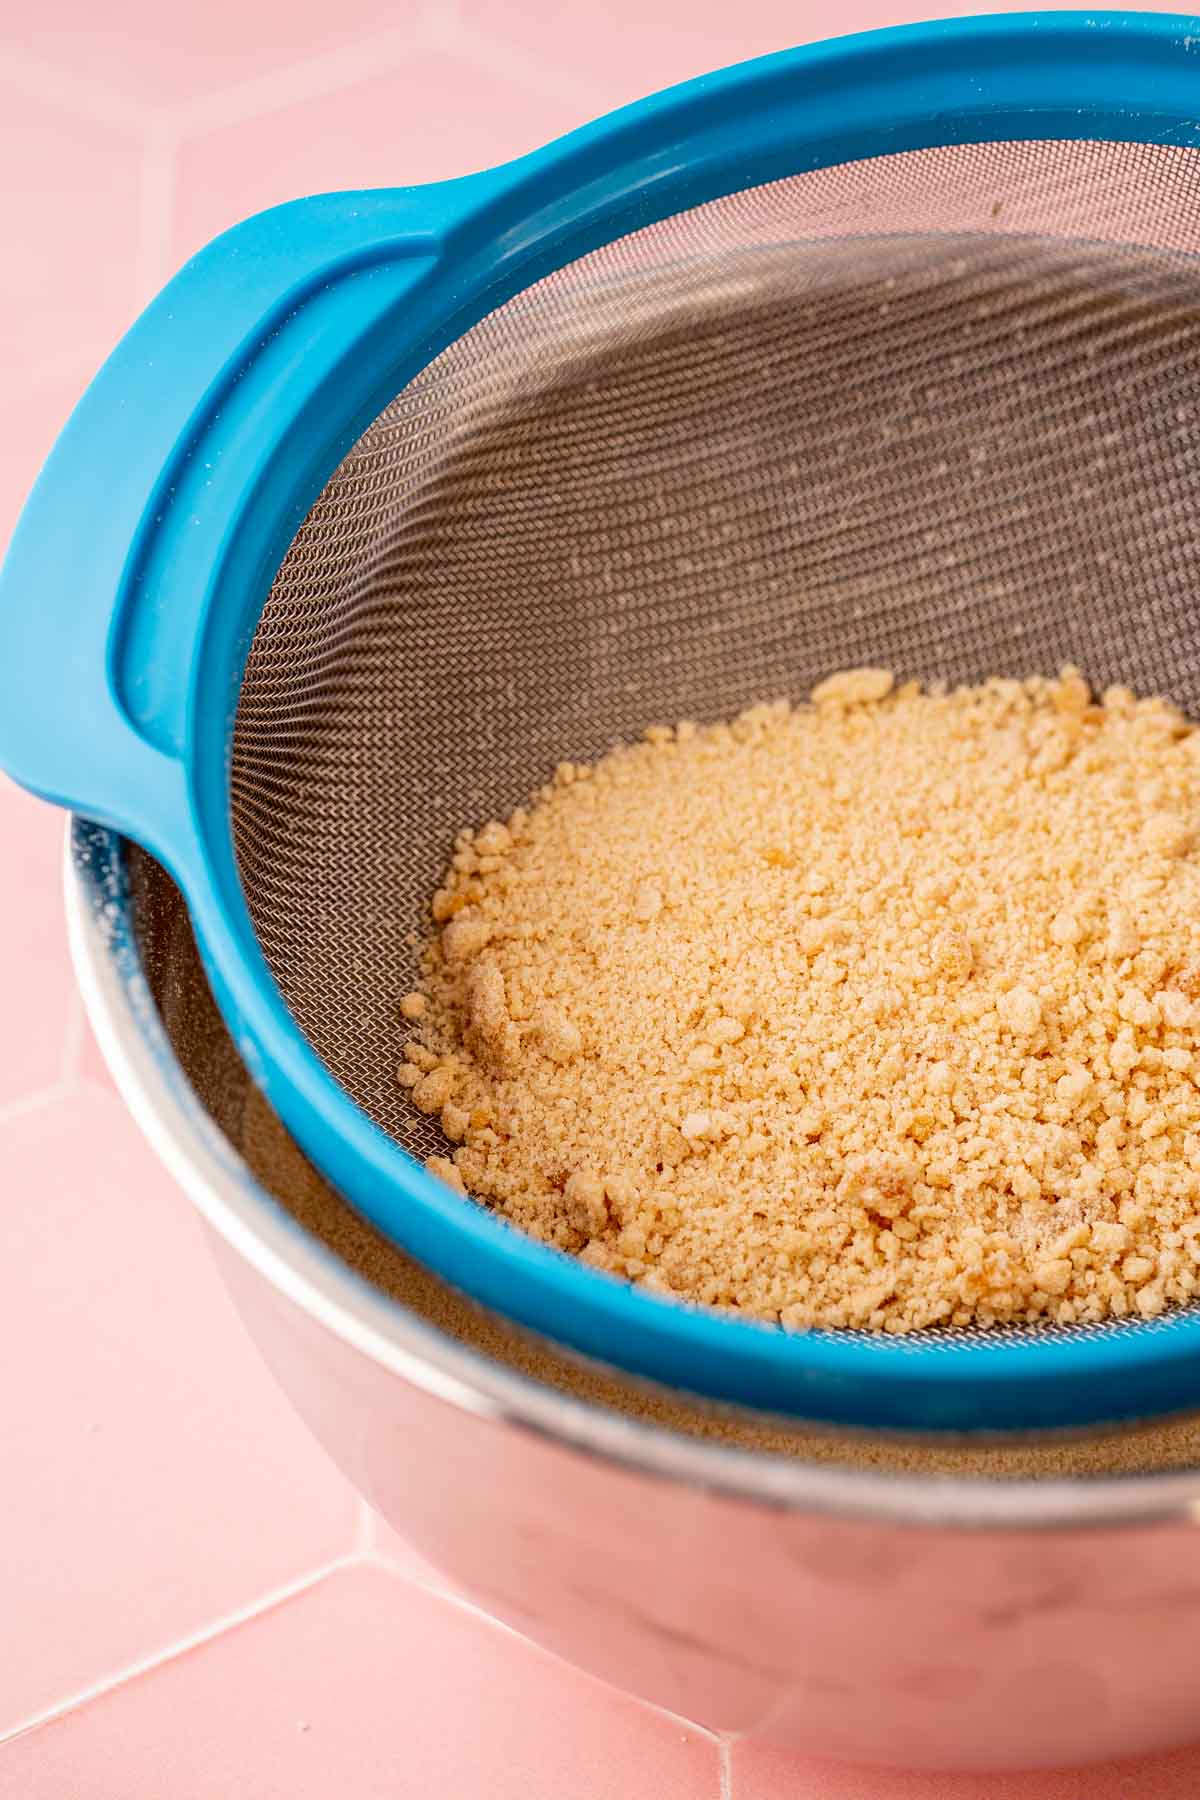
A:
(939, 411)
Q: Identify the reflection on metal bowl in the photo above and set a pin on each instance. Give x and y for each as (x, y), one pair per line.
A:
(961, 1607)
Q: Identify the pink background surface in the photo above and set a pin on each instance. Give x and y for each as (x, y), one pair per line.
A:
(193, 1602)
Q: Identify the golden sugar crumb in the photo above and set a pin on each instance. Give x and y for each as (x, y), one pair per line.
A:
(1020, 1010)
(880, 1011)
(455, 1121)
(444, 1169)
(1123, 938)
(494, 840)
(647, 902)
(1065, 928)
(465, 936)
(854, 687)
(434, 1090)
(1167, 834)
(558, 1037)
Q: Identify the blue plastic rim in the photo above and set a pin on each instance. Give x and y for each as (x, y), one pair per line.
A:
(146, 551)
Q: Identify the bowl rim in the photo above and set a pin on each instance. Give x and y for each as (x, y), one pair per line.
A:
(258, 1228)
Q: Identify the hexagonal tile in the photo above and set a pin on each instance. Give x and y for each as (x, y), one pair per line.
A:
(154, 1478)
(368, 1688)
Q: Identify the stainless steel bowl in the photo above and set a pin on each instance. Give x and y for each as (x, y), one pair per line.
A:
(916, 1620)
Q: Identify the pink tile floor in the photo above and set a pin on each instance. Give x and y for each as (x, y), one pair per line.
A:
(193, 1602)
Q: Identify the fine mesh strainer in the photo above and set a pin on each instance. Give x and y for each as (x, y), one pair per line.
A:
(886, 351)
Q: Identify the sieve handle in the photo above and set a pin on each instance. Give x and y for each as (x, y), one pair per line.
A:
(114, 576)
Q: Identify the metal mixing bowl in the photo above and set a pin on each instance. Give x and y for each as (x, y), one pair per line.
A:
(922, 1621)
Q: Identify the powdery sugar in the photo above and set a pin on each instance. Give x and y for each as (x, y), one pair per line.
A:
(877, 1012)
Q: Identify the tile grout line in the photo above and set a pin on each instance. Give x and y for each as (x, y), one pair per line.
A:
(309, 79)
(493, 54)
(88, 1084)
(51, 81)
(726, 1768)
(478, 1612)
(437, 26)
(380, 1559)
(475, 1611)
(30, 1103)
(145, 1665)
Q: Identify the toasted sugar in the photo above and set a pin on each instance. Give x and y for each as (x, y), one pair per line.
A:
(873, 1012)
(1138, 1449)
